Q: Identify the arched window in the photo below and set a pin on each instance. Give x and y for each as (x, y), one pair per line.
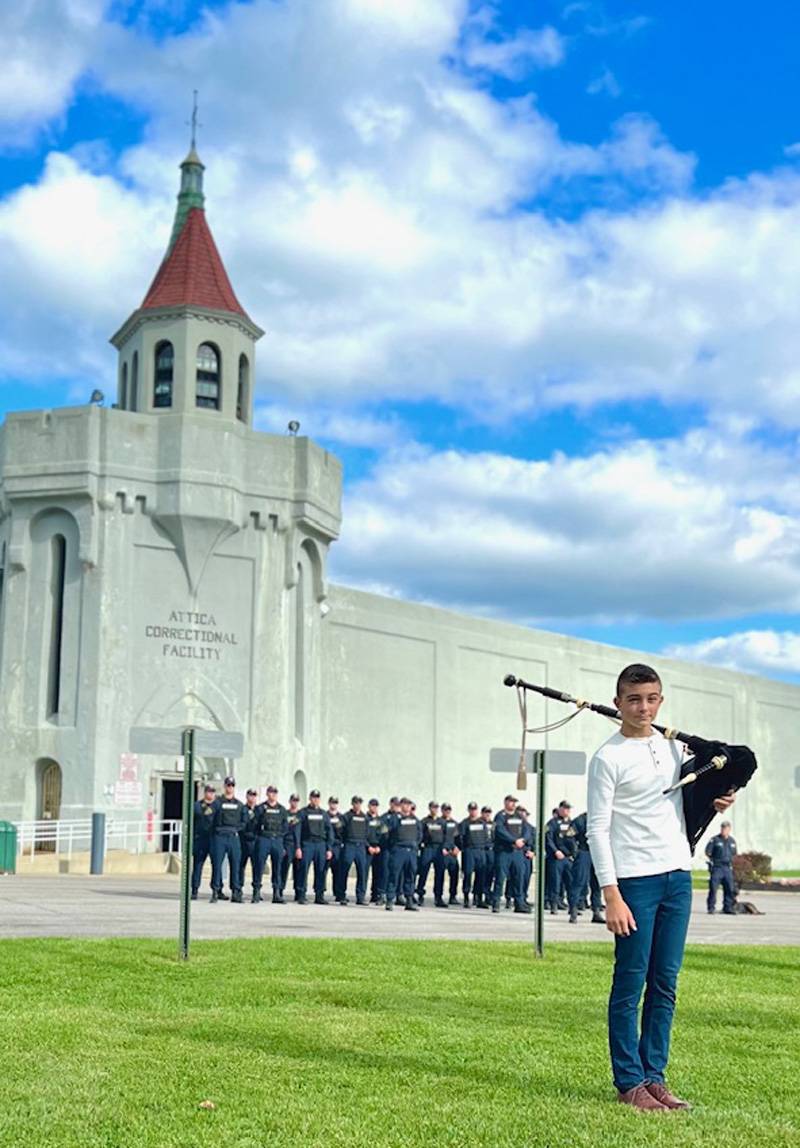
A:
(208, 377)
(58, 568)
(162, 388)
(135, 381)
(243, 391)
(123, 387)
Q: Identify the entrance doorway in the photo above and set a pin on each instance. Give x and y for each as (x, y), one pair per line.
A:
(171, 810)
(48, 797)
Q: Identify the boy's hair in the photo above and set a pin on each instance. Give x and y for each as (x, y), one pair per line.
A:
(636, 675)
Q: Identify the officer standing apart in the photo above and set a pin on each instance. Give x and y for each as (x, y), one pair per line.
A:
(720, 852)
(509, 845)
(316, 845)
(376, 851)
(560, 850)
(354, 851)
(431, 851)
(201, 835)
(450, 854)
(247, 836)
(227, 822)
(403, 840)
(271, 830)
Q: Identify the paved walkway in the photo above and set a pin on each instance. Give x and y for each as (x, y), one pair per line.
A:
(75, 906)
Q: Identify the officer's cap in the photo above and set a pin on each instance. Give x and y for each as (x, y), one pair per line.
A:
(486, 809)
(509, 797)
(314, 793)
(293, 796)
(447, 805)
(394, 800)
(725, 824)
(274, 789)
(210, 789)
(565, 804)
(373, 801)
(522, 809)
(433, 805)
(355, 800)
(252, 793)
(403, 800)
(333, 801)
(230, 780)
(472, 805)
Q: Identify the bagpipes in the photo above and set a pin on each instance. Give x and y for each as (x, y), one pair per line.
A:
(713, 770)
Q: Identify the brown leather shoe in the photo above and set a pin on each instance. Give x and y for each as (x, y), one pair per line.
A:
(663, 1095)
(639, 1097)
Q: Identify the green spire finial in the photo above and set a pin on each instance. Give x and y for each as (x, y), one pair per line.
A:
(191, 193)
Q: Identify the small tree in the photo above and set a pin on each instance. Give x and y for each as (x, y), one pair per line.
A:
(751, 867)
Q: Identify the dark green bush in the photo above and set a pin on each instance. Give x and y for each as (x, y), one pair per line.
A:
(751, 867)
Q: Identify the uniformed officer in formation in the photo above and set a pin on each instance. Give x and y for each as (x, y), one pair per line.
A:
(291, 844)
(472, 838)
(332, 867)
(315, 847)
(529, 833)
(204, 810)
(226, 844)
(450, 855)
(560, 852)
(376, 852)
(487, 815)
(272, 829)
(430, 853)
(354, 852)
(720, 852)
(510, 842)
(247, 837)
(403, 840)
(583, 878)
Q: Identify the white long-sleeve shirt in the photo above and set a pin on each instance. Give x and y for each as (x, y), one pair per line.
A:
(632, 828)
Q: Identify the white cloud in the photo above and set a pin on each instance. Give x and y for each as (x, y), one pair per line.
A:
(751, 651)
(45, 45)
(514, 56)
(681, 529)
(606, 84)
(792, 150)
(332, 425)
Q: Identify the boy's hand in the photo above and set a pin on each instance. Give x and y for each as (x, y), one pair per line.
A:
(619, 918)
(725, 802)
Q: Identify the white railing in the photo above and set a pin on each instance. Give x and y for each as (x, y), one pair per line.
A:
(67, 837)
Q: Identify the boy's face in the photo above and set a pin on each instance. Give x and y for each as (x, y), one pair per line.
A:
(639, 705)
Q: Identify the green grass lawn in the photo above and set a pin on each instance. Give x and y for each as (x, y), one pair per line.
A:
(327, 1043)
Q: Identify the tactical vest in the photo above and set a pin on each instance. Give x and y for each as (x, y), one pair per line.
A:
(203, 817)
(407, 831)
(449, 828)
(433, 831)
(475, 834)
(230, 815)
(314, 826)
(355, 828)
(249, 825)
(271, 821)
(376, 827)
(336, 822)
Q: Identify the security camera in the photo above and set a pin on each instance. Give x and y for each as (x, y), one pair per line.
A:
(293, 427)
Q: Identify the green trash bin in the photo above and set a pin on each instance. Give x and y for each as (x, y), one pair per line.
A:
(8, 847)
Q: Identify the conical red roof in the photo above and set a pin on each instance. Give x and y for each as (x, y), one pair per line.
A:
(192, 273)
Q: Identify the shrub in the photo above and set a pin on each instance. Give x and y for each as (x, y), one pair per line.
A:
(752, 866)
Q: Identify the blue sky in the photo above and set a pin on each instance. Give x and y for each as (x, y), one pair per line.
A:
(530, 269)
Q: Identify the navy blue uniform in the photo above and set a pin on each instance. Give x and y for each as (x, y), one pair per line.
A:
(316, 839)
(720, 852)
(508, 859)
(201, 839)
(432, 832)
(227, 822)
(291, 843)
(489, 884)
(583, 877)
(559, 837)
(376, 839)
(473, 840)
(449, 866)
(247, 841)
(336, 850)
(354, 852)
(403, 838)
(272, 828)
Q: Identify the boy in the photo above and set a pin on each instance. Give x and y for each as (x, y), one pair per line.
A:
(641, 854)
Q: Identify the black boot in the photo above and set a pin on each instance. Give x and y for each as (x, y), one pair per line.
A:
(256, 896)
(598, 918)
(214, 896)
(410, 906)
(222, 896)
(194, 894)
(573, 917)
(236, 898)
(389, 907)
(440, 904)
(466, 900)
(521, 907)
(277, 899)
(495, 906)
(320, 900)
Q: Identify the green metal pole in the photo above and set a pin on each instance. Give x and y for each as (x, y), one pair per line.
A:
(187, 748)
(539, 757)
